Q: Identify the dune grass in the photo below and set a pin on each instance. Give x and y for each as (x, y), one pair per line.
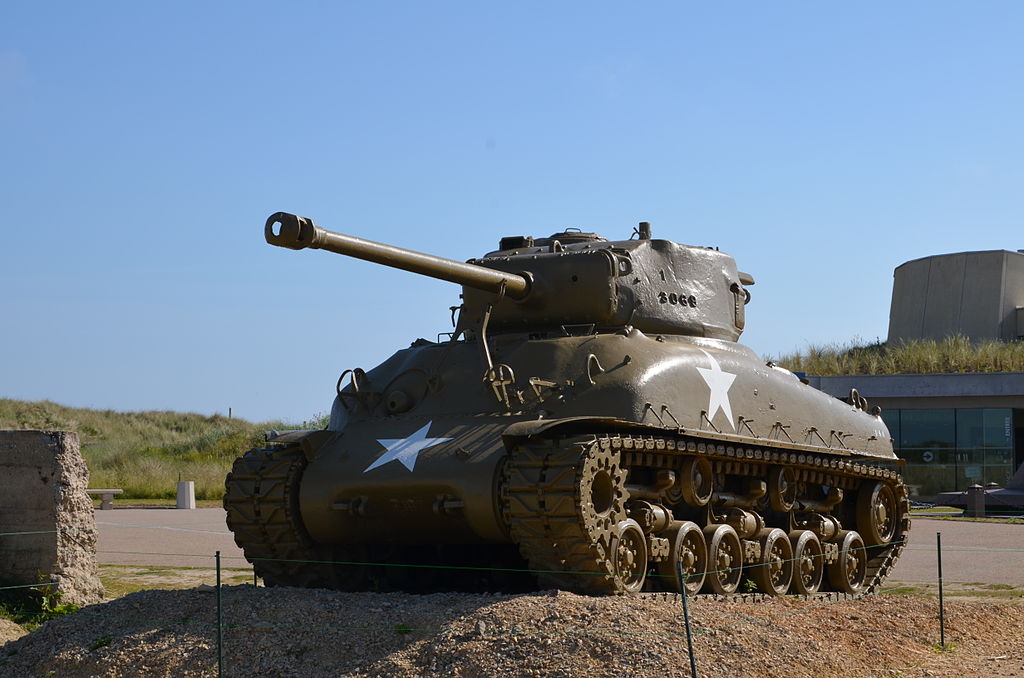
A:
(950, 355)
(145, 453)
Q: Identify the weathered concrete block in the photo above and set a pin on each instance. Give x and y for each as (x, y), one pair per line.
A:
(47, 527)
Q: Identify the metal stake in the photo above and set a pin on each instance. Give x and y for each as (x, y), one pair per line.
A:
(220, 624)
(686, 619)
(942, 610)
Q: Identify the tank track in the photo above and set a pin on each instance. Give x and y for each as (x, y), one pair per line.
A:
(261, 501)
(547, 518)
(554, 527)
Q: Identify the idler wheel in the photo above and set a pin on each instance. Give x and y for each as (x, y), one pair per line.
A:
(877, 513)
(688, 553)
(847, 573)
(775, 571)
(696, 481)
(629, 556)
(782, 488)
(808, 564)
(725, 559)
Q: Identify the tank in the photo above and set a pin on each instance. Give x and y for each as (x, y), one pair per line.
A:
(590, 424)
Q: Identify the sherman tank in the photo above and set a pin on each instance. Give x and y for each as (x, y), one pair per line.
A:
(590, 424)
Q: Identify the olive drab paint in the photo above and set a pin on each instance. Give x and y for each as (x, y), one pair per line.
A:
(591, 412)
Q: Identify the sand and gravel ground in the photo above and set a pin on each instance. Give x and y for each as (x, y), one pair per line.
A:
(311, 633)
(295, 632)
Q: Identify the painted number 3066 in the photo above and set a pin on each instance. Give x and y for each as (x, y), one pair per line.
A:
(677, 299)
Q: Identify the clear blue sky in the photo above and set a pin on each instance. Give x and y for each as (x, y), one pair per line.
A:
(143, 146)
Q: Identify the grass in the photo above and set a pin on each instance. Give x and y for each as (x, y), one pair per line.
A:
(950, 355)
(31, 607)
(102, 641)
(120, 580)
(908, 590)
(993, 593)
(935, 509)
(146, 453)
(145, 502)
(967, 519)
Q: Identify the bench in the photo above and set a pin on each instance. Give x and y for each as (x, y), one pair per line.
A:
(106, 497)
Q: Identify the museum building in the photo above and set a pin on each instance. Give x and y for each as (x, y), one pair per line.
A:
(954, 430)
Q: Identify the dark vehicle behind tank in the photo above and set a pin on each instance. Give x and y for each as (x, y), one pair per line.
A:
(590, 424)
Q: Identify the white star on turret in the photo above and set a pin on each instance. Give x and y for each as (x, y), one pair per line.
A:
(405, 450)
(719, 382)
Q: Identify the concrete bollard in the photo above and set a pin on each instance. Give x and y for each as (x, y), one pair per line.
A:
(975, 501)
(186, 494)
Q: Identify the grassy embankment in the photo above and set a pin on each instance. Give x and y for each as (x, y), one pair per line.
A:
(144, 453)
(952, 355)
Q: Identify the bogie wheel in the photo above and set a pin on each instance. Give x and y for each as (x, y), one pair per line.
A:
(697, 481)
(848, 572)
(878, 513)
(808, 564)
(725, 559)
(688, 553)
(775, 571)
(782, 488)
(629, 552)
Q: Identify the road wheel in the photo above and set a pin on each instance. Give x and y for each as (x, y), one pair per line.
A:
(725, 559)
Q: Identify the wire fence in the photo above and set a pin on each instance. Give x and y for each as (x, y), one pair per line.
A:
(220, 624)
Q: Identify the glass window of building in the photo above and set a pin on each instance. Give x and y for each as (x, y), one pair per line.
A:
(947, 450)
(927, 429)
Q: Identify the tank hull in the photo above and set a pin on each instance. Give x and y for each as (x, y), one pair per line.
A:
(451, 468)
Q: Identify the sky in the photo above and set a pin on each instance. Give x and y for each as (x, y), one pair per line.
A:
(143, 145)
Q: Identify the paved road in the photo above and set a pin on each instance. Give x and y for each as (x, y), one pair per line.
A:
(165, 536)
(990, 553)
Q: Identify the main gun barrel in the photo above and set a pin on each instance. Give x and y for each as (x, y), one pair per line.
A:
(295, 232)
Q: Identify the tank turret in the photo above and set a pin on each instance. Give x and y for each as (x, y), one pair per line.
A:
(591, 424)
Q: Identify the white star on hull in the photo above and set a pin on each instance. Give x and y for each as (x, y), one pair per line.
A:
(406, 450)
(719, 382)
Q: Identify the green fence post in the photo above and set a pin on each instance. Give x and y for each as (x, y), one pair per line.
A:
(942, 611)
(686, 619)
(220, 624)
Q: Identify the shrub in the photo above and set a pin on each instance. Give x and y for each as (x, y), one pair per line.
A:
(950, 355)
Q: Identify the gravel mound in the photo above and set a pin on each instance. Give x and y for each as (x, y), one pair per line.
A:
(311, 633)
